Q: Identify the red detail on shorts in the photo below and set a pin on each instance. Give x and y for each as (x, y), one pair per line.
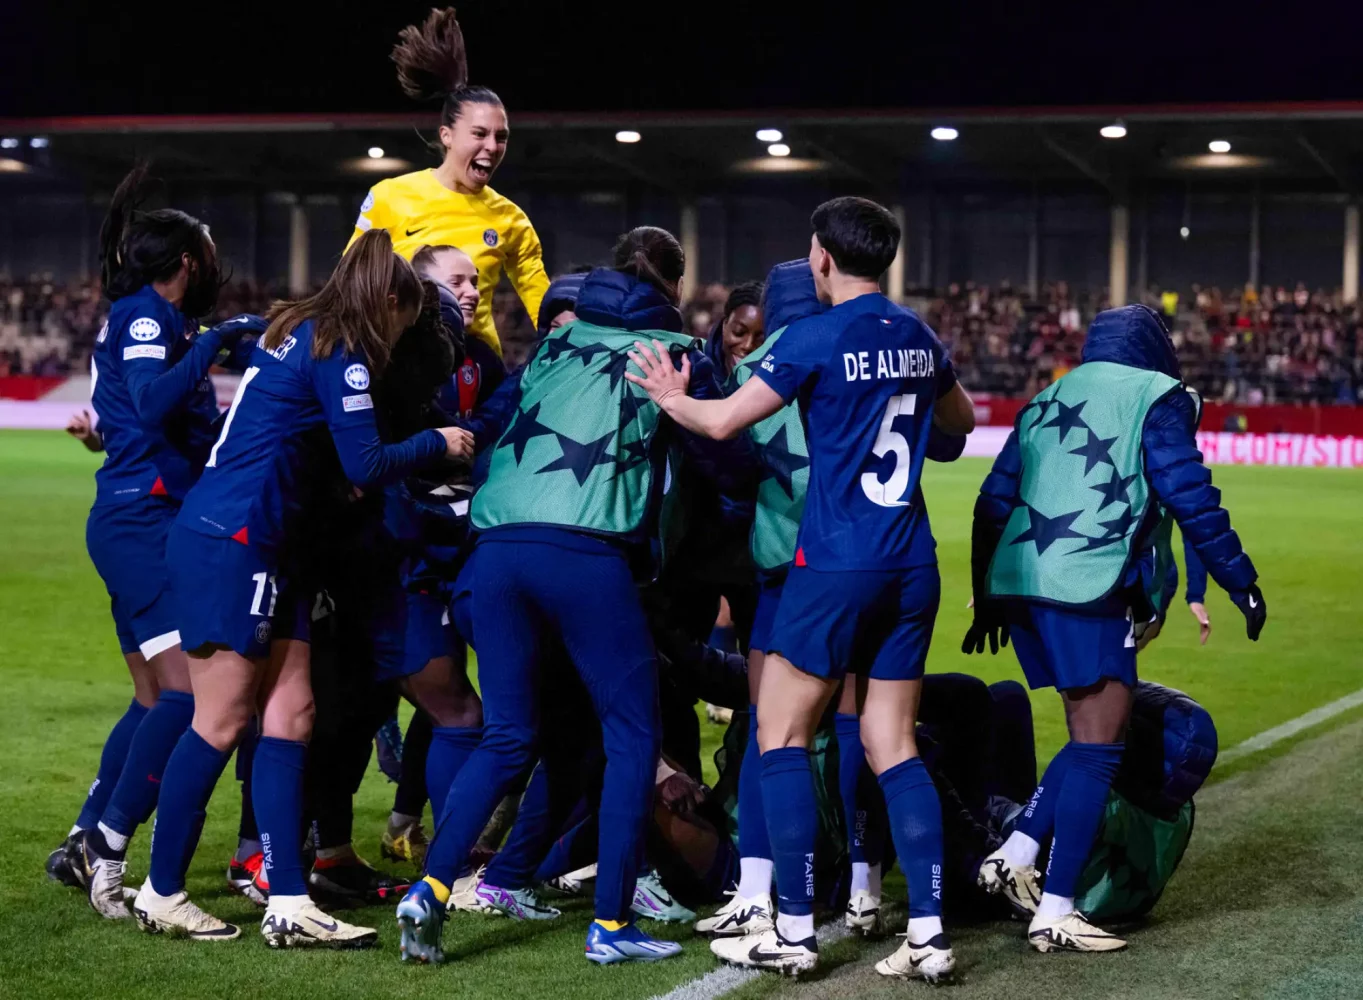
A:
(158, 488)
(240, 536)
(153, 779)
(800, 557)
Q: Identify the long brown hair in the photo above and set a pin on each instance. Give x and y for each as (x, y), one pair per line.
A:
(352, 307)
(433, 65)
(652, 255)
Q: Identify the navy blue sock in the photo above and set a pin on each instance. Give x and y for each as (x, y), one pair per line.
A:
(514, 864)
(277, 792)
(753, 841)
(449, 749)
(1038, 817)
(135, 795)
(792, 825)
(247, 829)
(111, 764)
(863, 805)
(1078, 811)
(915, 815)
(191, 773)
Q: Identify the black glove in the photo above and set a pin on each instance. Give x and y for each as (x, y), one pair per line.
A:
(1252, 606)
(990, 623)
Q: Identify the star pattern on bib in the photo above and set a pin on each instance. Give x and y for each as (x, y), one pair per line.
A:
(1067, 418)
(1046, 531)
(555, 347)
(781, 463)
(615, 368)
(1114, 490)
(1114, 531)
(631, 454)
(631, 404)
(580, 459)
(525, 428)
(587, 353)
(1096, 450)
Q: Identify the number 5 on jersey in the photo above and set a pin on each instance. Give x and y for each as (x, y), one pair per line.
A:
(890, 442)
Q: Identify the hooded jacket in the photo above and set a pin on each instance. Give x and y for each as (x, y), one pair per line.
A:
(1135, 336)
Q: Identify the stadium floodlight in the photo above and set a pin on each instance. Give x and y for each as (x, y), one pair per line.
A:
(627, 135)
(1219, 146)
(778, 149)
(1184, 232)
(944, 133)
(38, 142)
(9, 142)
(1114, 131)
(769, 135)
(376, 152)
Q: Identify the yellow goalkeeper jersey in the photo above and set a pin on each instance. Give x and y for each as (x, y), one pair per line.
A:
(417, 210)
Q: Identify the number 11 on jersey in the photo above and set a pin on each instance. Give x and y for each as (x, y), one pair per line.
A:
(890, 442)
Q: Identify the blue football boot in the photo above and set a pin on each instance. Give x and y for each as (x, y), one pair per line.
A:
(421, 918)
(628, 944)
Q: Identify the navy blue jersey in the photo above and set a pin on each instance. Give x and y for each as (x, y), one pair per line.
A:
(251, 483)
(153, 400)
(867, 374)
(473, 382)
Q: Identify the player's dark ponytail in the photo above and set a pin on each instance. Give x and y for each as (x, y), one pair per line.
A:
(433, 65)
(137, 248)
(652, 255)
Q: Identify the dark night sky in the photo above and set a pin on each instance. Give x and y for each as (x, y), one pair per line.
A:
(57, 58)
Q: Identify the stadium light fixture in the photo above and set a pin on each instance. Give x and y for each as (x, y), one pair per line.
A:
(1219, 146)
(38, 142)
(944, 133)
(9, 142)
(778, 149)
(1114, 131)
(1184, 232)
(769, 135)
(627, 135)
(376, 152)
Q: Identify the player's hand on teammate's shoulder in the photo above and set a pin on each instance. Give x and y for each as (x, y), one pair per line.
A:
(1252, 606)
(661, 378)
(458, 443)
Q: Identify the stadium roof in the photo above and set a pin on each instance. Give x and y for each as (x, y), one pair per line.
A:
(1290, 145)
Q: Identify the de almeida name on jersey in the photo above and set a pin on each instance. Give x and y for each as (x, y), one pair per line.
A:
(906, 362)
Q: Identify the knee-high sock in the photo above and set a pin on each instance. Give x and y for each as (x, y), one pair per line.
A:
(111, 764)
(247, 830)
(449, 750)
(410, 797)
(1078, 812)
(192, 771)
(792, 825)
(135, 795)
(915, 817)
(754, 846)
(863, 805)
(277, 791)
(1038, 818)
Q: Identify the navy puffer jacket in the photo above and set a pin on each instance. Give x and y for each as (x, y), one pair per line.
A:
(1135, 336)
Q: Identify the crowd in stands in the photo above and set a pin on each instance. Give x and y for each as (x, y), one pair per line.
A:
(1271, 345)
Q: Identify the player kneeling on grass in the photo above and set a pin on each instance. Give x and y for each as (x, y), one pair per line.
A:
(1078, 493)
(861, 597)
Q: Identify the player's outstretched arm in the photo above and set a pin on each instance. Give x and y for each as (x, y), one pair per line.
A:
(1181, 482)
(720, 419)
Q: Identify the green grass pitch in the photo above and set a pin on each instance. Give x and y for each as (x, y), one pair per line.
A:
(1268, 903)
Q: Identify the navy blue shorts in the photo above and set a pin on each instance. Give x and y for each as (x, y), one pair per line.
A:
(872, 622)
(127, 544)
(1063, 649)
(295, 611)
(225, 592)
(768, 600)
(429, 633)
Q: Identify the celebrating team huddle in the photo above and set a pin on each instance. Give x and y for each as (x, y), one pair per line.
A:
(382, 494)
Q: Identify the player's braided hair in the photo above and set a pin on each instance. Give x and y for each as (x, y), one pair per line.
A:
(433, 65)
(749, 293)
(138, 247)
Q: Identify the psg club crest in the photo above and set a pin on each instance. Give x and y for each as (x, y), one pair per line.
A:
(490, 237)
(466, 373)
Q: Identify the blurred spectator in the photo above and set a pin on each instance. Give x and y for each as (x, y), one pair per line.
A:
(1270, 345)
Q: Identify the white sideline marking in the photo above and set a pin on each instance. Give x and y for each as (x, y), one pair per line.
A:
(719, 981)
(1291, 728)
(727, 977)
